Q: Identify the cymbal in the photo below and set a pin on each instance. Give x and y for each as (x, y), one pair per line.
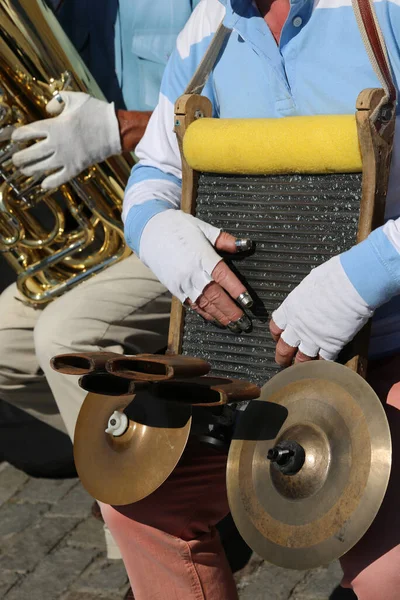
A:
(309, 466)
(130, 464)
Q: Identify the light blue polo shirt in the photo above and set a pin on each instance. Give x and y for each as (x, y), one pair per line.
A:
(145, 36)
(319, 67)
(125, 43)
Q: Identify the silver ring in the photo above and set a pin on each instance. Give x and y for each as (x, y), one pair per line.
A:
(234, 327)
(58, 97)
(244, 323)
(243, 244)
(245, 300)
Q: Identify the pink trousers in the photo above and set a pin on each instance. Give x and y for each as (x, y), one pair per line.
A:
(172, 550)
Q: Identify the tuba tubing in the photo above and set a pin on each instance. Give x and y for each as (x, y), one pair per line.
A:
(52, 240)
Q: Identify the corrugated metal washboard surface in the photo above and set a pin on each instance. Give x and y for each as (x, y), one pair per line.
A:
(296, 222)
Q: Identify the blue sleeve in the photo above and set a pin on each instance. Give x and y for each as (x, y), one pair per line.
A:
(373, 266)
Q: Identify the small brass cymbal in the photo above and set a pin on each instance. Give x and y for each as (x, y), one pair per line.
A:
(309, 466)
(123, 469)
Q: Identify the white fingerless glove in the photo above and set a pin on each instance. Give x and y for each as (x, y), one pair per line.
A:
(86, 132)
(323, 313)
(336, 299)
(178, 248)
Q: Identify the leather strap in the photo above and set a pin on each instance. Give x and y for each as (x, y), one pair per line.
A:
(374, 42)
(199, 79)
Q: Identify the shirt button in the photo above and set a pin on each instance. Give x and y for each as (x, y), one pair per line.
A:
(297, 21)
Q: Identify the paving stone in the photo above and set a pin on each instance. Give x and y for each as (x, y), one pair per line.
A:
(51, 548)
(24, 551)
(91, 596)
(11, 480)
(15, 518)
(54, 576)
(104, 576)
(319, 583)
(253, 564)
(80, 596)
(45, 490)
(89, 533)
(7, 580)
(76, 503)
(269, 583)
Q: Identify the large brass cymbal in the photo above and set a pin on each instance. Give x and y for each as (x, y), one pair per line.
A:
(125, 469)
(319, 511)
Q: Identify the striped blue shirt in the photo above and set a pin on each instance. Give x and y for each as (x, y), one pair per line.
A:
(319, 67)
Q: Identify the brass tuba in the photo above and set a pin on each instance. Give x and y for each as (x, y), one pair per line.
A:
(53, 240)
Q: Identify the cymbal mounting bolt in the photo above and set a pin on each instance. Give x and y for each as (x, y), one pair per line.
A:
(279, 455)
(287, 457)
(118, 423)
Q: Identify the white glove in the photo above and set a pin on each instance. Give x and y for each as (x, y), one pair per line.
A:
(178, 248)
(86, 132)
(323, 313)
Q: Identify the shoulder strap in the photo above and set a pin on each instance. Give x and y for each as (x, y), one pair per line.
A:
(199, 79)
(374, 42)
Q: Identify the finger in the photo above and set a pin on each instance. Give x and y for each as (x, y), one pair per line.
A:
(286, 347)
(35, 153)
(328, 355)
(33, 131)
(203, 314)
(284, 353)
(220, 306)
(291, 337)
(55, 180)
(228, 280)
(279, 317)
(309, 349)
(56, 105)
(275, 330)
(301, 357)
(217, 303)
(228, 243)
(40, 167)
(195, 308)
(212, 233)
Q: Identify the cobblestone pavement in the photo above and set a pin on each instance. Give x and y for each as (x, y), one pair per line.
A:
(51, 548)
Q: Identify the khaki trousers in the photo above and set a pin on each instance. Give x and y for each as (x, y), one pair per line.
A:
(123, 309)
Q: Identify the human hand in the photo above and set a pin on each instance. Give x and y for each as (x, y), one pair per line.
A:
(84, 132)
(179, 249)
(320, 316)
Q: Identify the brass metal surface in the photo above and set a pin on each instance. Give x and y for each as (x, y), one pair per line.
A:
(125, 469)
(52, 240)
(308, 519)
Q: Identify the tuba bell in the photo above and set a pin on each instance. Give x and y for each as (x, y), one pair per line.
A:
(53, 240)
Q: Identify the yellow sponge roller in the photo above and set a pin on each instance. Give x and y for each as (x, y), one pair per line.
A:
(317, 144)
